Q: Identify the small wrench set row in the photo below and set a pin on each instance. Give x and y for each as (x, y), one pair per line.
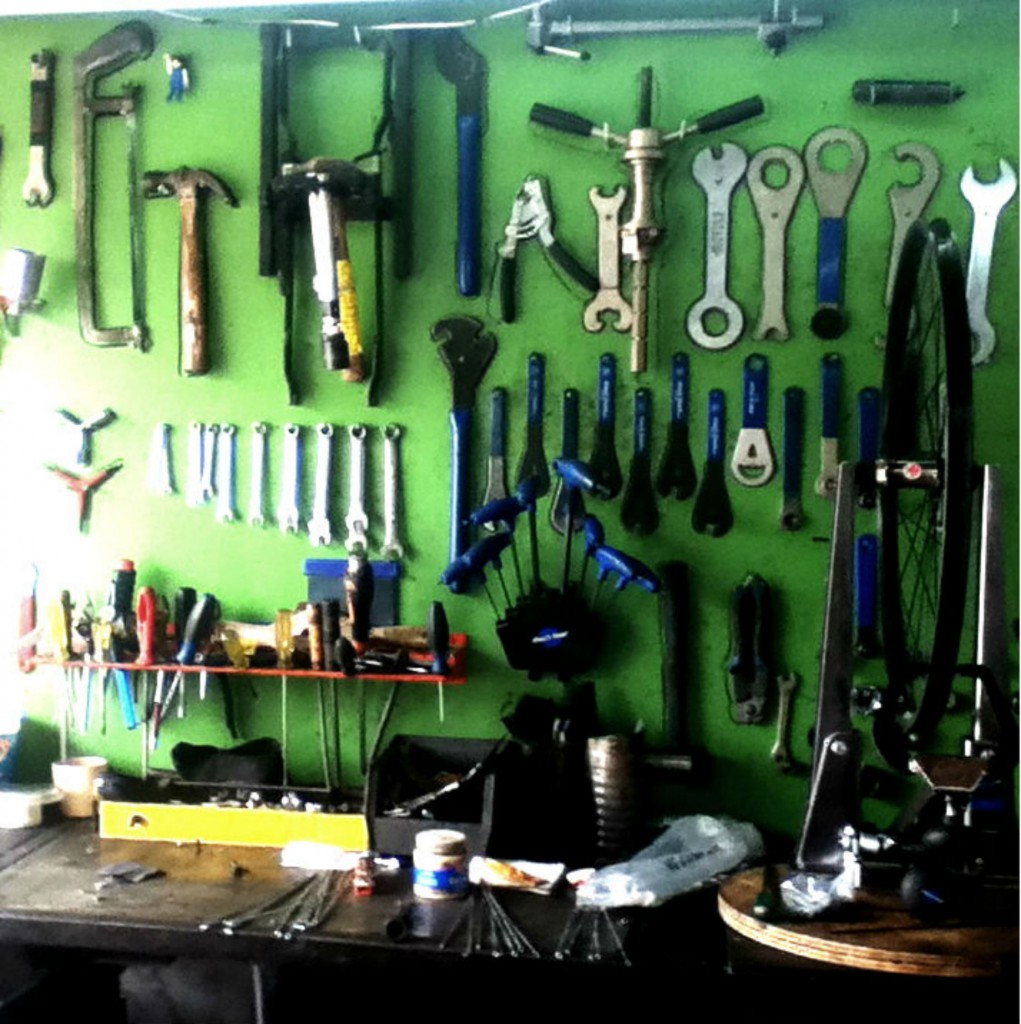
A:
(211, 478)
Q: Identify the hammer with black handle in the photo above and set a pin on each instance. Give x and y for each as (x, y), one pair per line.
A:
(186, 184)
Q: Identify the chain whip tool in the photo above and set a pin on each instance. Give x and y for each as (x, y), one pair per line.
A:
(786, 686)
(196, 442)
(161, 463)
(908, 202)
(257, 476)
(677, 470)
(791, 515)
(718, 170)
(392, 547)
(986, 199)
(753, 463)
(226, 462)
(608, 298)
(829, 443)
(38, 188)
(496, 464)
(774, 206)
(319, 522)
(289, 506)
(604, 464)
(712, 513)
(833, 192)
(357, 521)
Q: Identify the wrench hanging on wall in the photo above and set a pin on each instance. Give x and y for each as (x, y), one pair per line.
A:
(38, 188)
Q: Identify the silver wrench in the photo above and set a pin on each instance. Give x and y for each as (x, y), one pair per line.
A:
(289, 506)
(774, 206)
(319, 531)
(392, 547)
(209, 433)
(908, 202)
(357, 521)
(986, 199)
(608, 299)
(161, 466)
(781, 753)
(226, 458)
(196, 439)
(718, 171)
(38, 187)
(257, 477)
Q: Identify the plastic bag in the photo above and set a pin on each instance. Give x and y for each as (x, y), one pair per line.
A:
(690, 853)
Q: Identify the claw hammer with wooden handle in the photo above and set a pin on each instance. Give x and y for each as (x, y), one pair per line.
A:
(187, 184)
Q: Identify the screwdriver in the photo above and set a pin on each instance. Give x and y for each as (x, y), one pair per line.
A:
(359, 589)
(197, 630)
(145, 620)
(283, 636)
(60, 638)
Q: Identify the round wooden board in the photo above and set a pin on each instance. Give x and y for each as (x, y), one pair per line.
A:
(880, 935)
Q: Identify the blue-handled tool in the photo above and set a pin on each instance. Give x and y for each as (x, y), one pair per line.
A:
(533, 461)
(869, 405)
(628, 569)
(676, 474)
(496, 465)
(711, 512)
(752, 462)
(466, 350)
(638, 511)
(866, 575)
(791, 514)
(567, 505)
(595, 537)
(465, 69)
(604, 462)
(829, 445)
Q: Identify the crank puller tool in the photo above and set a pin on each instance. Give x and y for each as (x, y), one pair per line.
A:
(869, 406)
(791, 515)
(676, 474)
(638, 511)
(496, 465)
(38, 187)
(533, 463)
(567, 503)
(753, 463)
(465, 69)
(833, 192)
(604, 463)
(866, 574)
(829, 444)
(711, 512)
(748, 668)
(466, 350)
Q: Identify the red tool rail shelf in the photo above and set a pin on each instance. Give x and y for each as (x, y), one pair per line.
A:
(457, 662)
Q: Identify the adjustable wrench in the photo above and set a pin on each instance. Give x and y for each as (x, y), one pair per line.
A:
(608, 299)
(908, 202)
(257, 478)
(38, 187)
(226, 457)
(392, 547)
(718, 171)
(774, 207)
(319, 522)
(196, 439)
(357, 521)
(781, 752)
(289, 507)
(209, 433)
(986, 200)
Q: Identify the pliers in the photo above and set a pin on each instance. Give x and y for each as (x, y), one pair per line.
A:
(531, 218)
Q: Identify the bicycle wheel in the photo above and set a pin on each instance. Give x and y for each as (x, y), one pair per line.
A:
(925, 478)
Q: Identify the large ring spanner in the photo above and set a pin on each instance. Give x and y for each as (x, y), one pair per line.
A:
(986, 199)
(718, 171)
(357, 521)
(608, 299)
(833, 192)
(774, 206)
(319, 531)
(908, 202)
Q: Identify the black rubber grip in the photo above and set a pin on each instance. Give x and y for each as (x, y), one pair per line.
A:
(572, 267)
(893, 92)
(508, 300)
(560, 120)
(743, 110)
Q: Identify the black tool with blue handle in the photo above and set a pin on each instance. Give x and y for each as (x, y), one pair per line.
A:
(712, 513)
(604, 462)
(869, 405)
(676, 474)
(866, 575)
(533, 463)
(792, 516)
(638, 511)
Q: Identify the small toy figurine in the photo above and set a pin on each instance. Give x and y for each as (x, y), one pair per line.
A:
(177, 69)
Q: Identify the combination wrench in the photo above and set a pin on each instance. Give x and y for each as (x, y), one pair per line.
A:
(774, 206)
(226, 459)
(161, 466)
(781, 753)
(357, 521)
(319, 531)
(38, 187)
(257, 477)
(196, 439)
(908, 202)
(608, 299)
(986, 199)
(289, 506)
(210, 431)
(392, 547)
(718, 171)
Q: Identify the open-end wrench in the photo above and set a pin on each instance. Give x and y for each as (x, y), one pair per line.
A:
(567, 504)
(908, 202)
(786, 686)
(774, 206)
(829, 442)
(791, 514)
(676, 474)
(712, 512)
(718, 171)
(534, 464)
(161, 466)
(289, 506)
(226, 461)
(833, 192)
(319, 531)
(392, 547)
(604, 464)
(608, 299)
(753, 463)
(986, 199)
(209, 435)
(38, 187)
(496, 464)
(196, 439)
(638, 511)
(357, 521)
(257, 476)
